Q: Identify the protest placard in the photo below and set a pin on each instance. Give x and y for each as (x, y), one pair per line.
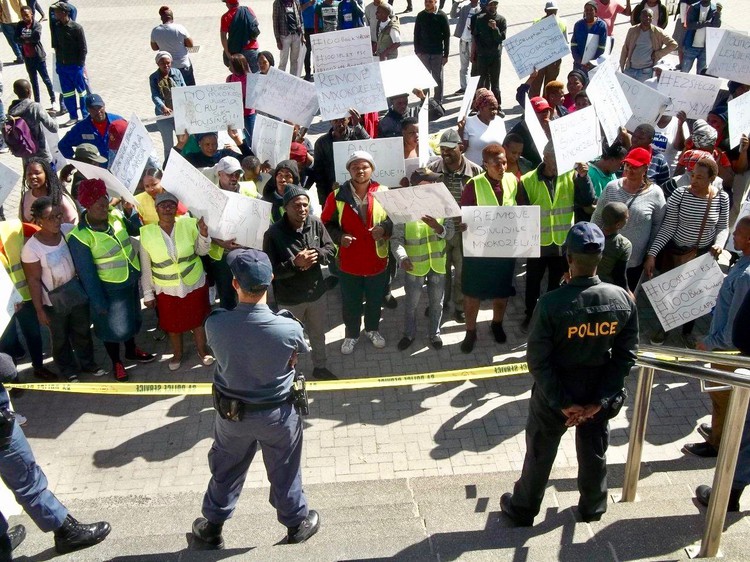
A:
(739, 118)
(341, 49)
(535, 128)
(411, 165)
(253, 82)
(114, 185)
(133, 154)
(402, 75)
(408, 204)
(576, 138)
(358, 87)
(245, 219)
(592, 45)
(271, 140)
(607, 97)
(468, 99)
(686, 292)
(208, 108)
(732, 58)
(647, 103)
(423, 122)
(501, 232)
(388, 154)
(10, 296)
(287, 97)
(52, 138)
(55, 78)
(8, 180)
(536, 47)
(692, 93)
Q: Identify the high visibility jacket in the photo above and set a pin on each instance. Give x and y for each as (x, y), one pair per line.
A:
(486, 196)
(112, 251)
(378, 215)
(11, 235)
(556, 216)
(166, 270)
(426, 250)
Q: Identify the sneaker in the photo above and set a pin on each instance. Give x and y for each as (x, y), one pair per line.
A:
(4, 150)
(304, 530)
(347, 348)
(689, 340)
(467, 346)
(525, 325)
(73, 535)
(208, 534)
(19, 60)
(506, 506)
(390, 302)
(140, 356)
(704, 430)
(323, 374)
(95, 370)
(175, 364)
(404, 343)
(436, 342)
(69, 123)
(208, 360)
(377, 340)
(460, 91)
(16, 535)
(658, 337)
(121, 375)
(44, 373)
(497, 331)
(73, 378)
(62, 110)
(704, 450)
(459, 316)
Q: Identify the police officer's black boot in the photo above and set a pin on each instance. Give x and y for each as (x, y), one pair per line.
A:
(703, 495)
(10, 540)
(209, 534)
(74, 535)
(304, 530)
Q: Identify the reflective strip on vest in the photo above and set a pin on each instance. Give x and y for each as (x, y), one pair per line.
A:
(425, 249)
(11, 236)
(166, 271)
(556, 217)
(377, 213)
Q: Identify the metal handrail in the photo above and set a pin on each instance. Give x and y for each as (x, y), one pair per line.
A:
(740, 361)
(696, 372)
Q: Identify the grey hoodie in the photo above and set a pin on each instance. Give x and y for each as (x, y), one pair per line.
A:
(36, 117)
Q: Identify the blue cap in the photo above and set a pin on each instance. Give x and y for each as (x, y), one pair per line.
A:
(251, 268)
(584, 238)
(94, 100)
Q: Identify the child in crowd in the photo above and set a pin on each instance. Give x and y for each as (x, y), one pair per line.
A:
(617, 248)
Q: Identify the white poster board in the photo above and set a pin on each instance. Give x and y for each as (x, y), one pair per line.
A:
(468, 99)
(114, 185)
(402, 75)
(647, 103)
(208, 108)
(691, 93)
(732, 58)
(536, 47)
(10, 296)
(411, 165)
(408, 204)
(271, 140)
(535, 128)
(739, 118)
(56, 87)
(133, 154)
(423, 122)
(357, 87)
(287, 97)
(685, 293)
(245, 219)
(501, 232)
(607, 97)
(341, 49)
(253, 82)
(576, 138)
(388, 154)
(52, 138)
(589, 51)
(8, 180)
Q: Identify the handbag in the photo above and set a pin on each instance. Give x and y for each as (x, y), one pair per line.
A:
(672, 255)
(67, 296)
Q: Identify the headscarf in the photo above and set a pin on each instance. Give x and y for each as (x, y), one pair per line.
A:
(90, 191)
(162, 54)
(582, 76)
(703, 135)
(484, 98)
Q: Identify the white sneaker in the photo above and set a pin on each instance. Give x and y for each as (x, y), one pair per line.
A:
(376, 339)
(347, 348)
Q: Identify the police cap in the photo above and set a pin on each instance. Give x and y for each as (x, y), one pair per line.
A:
(251, 268)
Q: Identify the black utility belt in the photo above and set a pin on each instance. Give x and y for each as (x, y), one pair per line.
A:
(233, 409)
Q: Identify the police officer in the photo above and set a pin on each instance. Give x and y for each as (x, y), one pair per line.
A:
(255, 350)
(582, 343)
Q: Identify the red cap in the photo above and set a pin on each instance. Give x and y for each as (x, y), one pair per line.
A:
(298, 153)
(539, 104)
(638, 157)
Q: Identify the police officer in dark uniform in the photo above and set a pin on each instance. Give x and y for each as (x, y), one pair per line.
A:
(254, 388)
(582, 343)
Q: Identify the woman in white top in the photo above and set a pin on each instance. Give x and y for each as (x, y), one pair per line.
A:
(482, 129)
(48, 265)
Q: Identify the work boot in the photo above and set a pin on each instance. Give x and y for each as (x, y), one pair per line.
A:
(10, 540)
(304, 530)
(703, 495)
(506, 506)
(73, 535)
(209, 534)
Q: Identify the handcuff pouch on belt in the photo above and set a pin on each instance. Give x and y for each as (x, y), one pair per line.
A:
(228, 408)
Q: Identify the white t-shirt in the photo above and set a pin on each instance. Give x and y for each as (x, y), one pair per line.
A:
(466, 35)
(699, 39)
(57, 263)
(664, 142)
(171, 38)
(480, 135)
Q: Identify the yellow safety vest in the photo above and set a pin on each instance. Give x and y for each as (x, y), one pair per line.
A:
(556, 216)
(378, 216)
(166, 271)
(11, 235)
(426, 250)
(111, 254)
(486, 196)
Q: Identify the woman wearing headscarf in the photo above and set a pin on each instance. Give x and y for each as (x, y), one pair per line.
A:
(482, 129)
(109, 269)
(39, 181)
(286, 173)
(577, 82)
(704, 139)
(162, 81)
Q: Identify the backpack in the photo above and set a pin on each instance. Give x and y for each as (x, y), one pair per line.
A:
(18, 137)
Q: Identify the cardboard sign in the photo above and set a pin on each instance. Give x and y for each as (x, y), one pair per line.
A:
(209, 108)
(732, 58)
(647, 104)
(271, 140)
(535, 128)
(686, 292)
(114, 185)
(10, 296)
(341, 49)
(133, 154)
(252, 87)
(53, 139)
(536, 47)
(607, 97)
(501, 232)
(245, 219)
(576, 138)
(8, 180)
(287, 97)
(408, 204)
(592, 45)
(388, 154)
(402, 75)
(739, 118)
(468, 99)
(691, 93)
(357, 87)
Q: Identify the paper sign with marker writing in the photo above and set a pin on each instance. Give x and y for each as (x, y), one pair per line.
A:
(576, 138)
(592, 45)
(501, 232)
(8, 180)
(114, 185)
(133, 154)
(424, 133)
(402, 75)
(691, 93)
(245, 219)
(610, 102)
(535, 128)
(468, 99)
(685, 293)
(208, 108)
(253, 82)
(408, 204)
(387, 153)
(341, 49)
(647, 104)
(53, 139)
(739, 118)
(357, 87)
(536, 47)
(271, 140)
(287, 97)
(732, 58)
(10, 296)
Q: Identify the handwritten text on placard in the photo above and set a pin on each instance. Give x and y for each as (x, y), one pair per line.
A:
(501, 232)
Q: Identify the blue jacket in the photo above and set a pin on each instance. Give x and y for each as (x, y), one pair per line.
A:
(84, 131)
(580, 35)
(713, 19)
(153, 81)
(354, 10)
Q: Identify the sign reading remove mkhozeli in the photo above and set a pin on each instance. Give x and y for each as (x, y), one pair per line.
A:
(501, 232)
(358, 87)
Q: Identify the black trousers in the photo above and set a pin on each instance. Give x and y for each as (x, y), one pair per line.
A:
(535, 268)
(308, 31)
(488, 70)
(544, 429)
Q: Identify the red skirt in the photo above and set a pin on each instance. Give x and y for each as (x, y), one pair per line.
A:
(177, 315)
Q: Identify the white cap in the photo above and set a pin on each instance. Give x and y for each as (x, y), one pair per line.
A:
(551, 5)
(360, 155)
(228, 165)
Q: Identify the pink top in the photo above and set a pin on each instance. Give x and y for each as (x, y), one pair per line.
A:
(609, 12)
(241, 80)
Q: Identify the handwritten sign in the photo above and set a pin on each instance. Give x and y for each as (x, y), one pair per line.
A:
(576, 138)
(536, 47)
(52, 138)
(287, 97)
(8, 180)
(133, 154)
(209, 108)
(245, 219)
(271, 140)
(253, 81)
(10, 296)
(691, 93)
(359, 87)
(739, 118)
(341, 49)
(647, 104)
(535, 128)
(607, 97)
(468, 99)
(686, 292)
(402, 75)
(501, 232)
(589, 51)
(732, 58)
(412, 203)
(387, 153)
(423, 122)
(114, 185)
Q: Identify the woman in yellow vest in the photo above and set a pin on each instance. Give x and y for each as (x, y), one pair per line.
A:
(152, 187)
(488, 278)
(172, 276)
(108, 267)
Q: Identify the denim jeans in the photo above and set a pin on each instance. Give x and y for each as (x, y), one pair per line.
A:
(9, 30)
(640, 74)
(34, 66)
(435, 291)
(689, 55)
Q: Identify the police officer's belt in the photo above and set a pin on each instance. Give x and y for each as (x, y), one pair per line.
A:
(233, 409)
